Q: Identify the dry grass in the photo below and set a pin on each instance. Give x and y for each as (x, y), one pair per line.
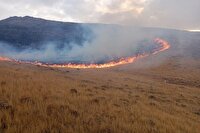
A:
(162, 99)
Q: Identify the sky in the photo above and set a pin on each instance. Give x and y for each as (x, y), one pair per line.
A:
(178, 14)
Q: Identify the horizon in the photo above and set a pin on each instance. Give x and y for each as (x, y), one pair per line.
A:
(188, 30)
(144, 13)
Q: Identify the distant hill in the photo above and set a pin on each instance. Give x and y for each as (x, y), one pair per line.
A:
(27, 31)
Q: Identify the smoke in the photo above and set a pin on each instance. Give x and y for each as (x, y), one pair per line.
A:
(108, 42)
(47, 53)
(104, 43)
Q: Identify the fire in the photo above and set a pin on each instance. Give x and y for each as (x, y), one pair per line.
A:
(5, 59)
(162, 46)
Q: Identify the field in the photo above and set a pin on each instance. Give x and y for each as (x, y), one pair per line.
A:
(136, 98)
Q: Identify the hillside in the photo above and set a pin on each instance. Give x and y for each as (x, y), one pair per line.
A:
(27, 31)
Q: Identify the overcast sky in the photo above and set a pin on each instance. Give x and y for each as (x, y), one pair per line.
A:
(179, 14)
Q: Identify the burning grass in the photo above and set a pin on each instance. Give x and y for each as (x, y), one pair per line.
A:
(38, 99)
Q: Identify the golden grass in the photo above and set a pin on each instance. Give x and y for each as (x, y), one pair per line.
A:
(162, 99)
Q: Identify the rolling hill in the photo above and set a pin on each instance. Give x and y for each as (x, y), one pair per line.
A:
(30, 32)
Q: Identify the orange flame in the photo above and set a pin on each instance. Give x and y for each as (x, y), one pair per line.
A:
(5, 59)
(162, 46)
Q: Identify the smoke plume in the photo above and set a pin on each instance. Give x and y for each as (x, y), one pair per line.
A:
(106, 43)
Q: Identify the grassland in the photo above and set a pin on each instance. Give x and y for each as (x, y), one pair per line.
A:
(160, 99)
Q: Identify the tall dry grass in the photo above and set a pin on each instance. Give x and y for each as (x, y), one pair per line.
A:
(44, 100)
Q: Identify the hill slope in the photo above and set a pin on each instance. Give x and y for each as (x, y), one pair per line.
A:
(26, 31)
